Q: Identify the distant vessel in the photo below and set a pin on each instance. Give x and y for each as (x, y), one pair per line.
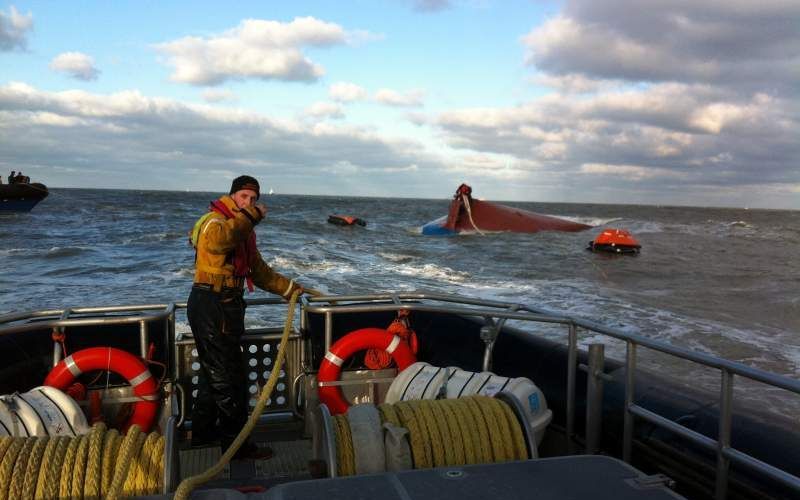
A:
(346, 220)
(21, 196)
(271, 191)
(468, 214)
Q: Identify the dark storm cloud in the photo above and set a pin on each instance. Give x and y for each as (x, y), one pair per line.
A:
(747, 45)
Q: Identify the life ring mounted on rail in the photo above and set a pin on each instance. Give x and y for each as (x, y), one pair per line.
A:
(353, 342)
(120, 362)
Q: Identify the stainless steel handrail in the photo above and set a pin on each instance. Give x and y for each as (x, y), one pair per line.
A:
(486, 309)
(724, 452)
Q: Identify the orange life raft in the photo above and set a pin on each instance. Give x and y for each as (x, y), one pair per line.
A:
(615, 241)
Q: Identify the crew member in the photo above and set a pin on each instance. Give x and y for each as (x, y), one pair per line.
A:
(226, 259)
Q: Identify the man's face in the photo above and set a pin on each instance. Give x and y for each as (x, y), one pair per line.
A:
(244, 198)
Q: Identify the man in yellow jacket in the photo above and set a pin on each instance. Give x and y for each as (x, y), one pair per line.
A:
(226, 260)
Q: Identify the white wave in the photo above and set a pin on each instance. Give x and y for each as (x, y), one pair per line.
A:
(396, 257)
(589, 221)
(184, 272)
(289, 264)
(14, 251)
(431, 271)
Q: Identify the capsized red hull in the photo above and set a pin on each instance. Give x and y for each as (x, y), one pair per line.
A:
(489, 216)
(469, 214)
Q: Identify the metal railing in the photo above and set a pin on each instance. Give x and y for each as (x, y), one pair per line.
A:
(502, 311)
(329, 306)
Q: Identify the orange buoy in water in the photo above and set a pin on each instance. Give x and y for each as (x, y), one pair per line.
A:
(615, 241)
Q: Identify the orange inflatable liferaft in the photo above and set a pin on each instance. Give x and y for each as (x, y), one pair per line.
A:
(615, 241)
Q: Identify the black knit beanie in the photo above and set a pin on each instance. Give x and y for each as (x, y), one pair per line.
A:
(245, 182)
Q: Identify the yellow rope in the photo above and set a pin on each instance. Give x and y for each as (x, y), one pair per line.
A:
(130, 483)
(389, 414)
(94, 462)
(7, 465)
(71, 467)
(453, 448)
(423, 410)
(47, 485)
(467, 443)
(475, 429)
(420, 450)
(5, 442)
(188, 484)
(33, 470)
(471, 408)
(79, 470)
(65, 485)
(346, 463)
(111, 444)
(18, 472)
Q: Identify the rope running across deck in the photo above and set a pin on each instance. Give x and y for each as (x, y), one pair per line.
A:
(100, 464)
(448, 432)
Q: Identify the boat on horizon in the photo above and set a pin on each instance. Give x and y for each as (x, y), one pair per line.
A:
(467, 214)
(582, 426)
(21, 196)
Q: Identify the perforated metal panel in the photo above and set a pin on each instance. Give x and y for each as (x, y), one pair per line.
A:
(258, 354)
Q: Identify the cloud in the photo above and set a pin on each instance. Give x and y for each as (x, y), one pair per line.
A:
(126, 139)
(267, 50)
(325, 110)
(346, 92)
(677, 138)
(391, 97)
(744, 46)
(14, 27)
(431, 5)
(218, 95)
(680, 102)
(75, 64)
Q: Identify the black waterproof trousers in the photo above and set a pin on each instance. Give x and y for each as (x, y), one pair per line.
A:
(217, 322)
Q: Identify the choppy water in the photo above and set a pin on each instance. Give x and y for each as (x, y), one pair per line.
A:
(723, 281)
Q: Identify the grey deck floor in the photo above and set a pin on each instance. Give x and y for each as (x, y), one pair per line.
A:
(288, 463)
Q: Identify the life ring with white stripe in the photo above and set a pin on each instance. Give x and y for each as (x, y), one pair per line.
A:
(120, 362)
(358, 340)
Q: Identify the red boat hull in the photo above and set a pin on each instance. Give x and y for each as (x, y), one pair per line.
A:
(468, 214)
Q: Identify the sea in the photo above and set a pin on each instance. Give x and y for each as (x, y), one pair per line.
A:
(723, 281)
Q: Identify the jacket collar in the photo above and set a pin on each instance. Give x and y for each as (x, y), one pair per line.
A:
(228, 202)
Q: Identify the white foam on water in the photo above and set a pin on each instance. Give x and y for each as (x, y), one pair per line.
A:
(396, 257)
(589, 221)
(14, 251)
(286, 264)
(431, 271)
(184, 272)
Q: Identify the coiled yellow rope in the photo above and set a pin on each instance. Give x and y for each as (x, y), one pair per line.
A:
(188, 484)
(475, 429)
(78, 467)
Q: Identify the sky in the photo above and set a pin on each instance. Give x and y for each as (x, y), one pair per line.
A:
(667, 102)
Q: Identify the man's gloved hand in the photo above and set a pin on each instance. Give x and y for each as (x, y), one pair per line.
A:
(262, 209)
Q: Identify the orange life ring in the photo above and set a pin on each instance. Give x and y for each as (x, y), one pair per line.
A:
(120, 362)
(358, 340)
